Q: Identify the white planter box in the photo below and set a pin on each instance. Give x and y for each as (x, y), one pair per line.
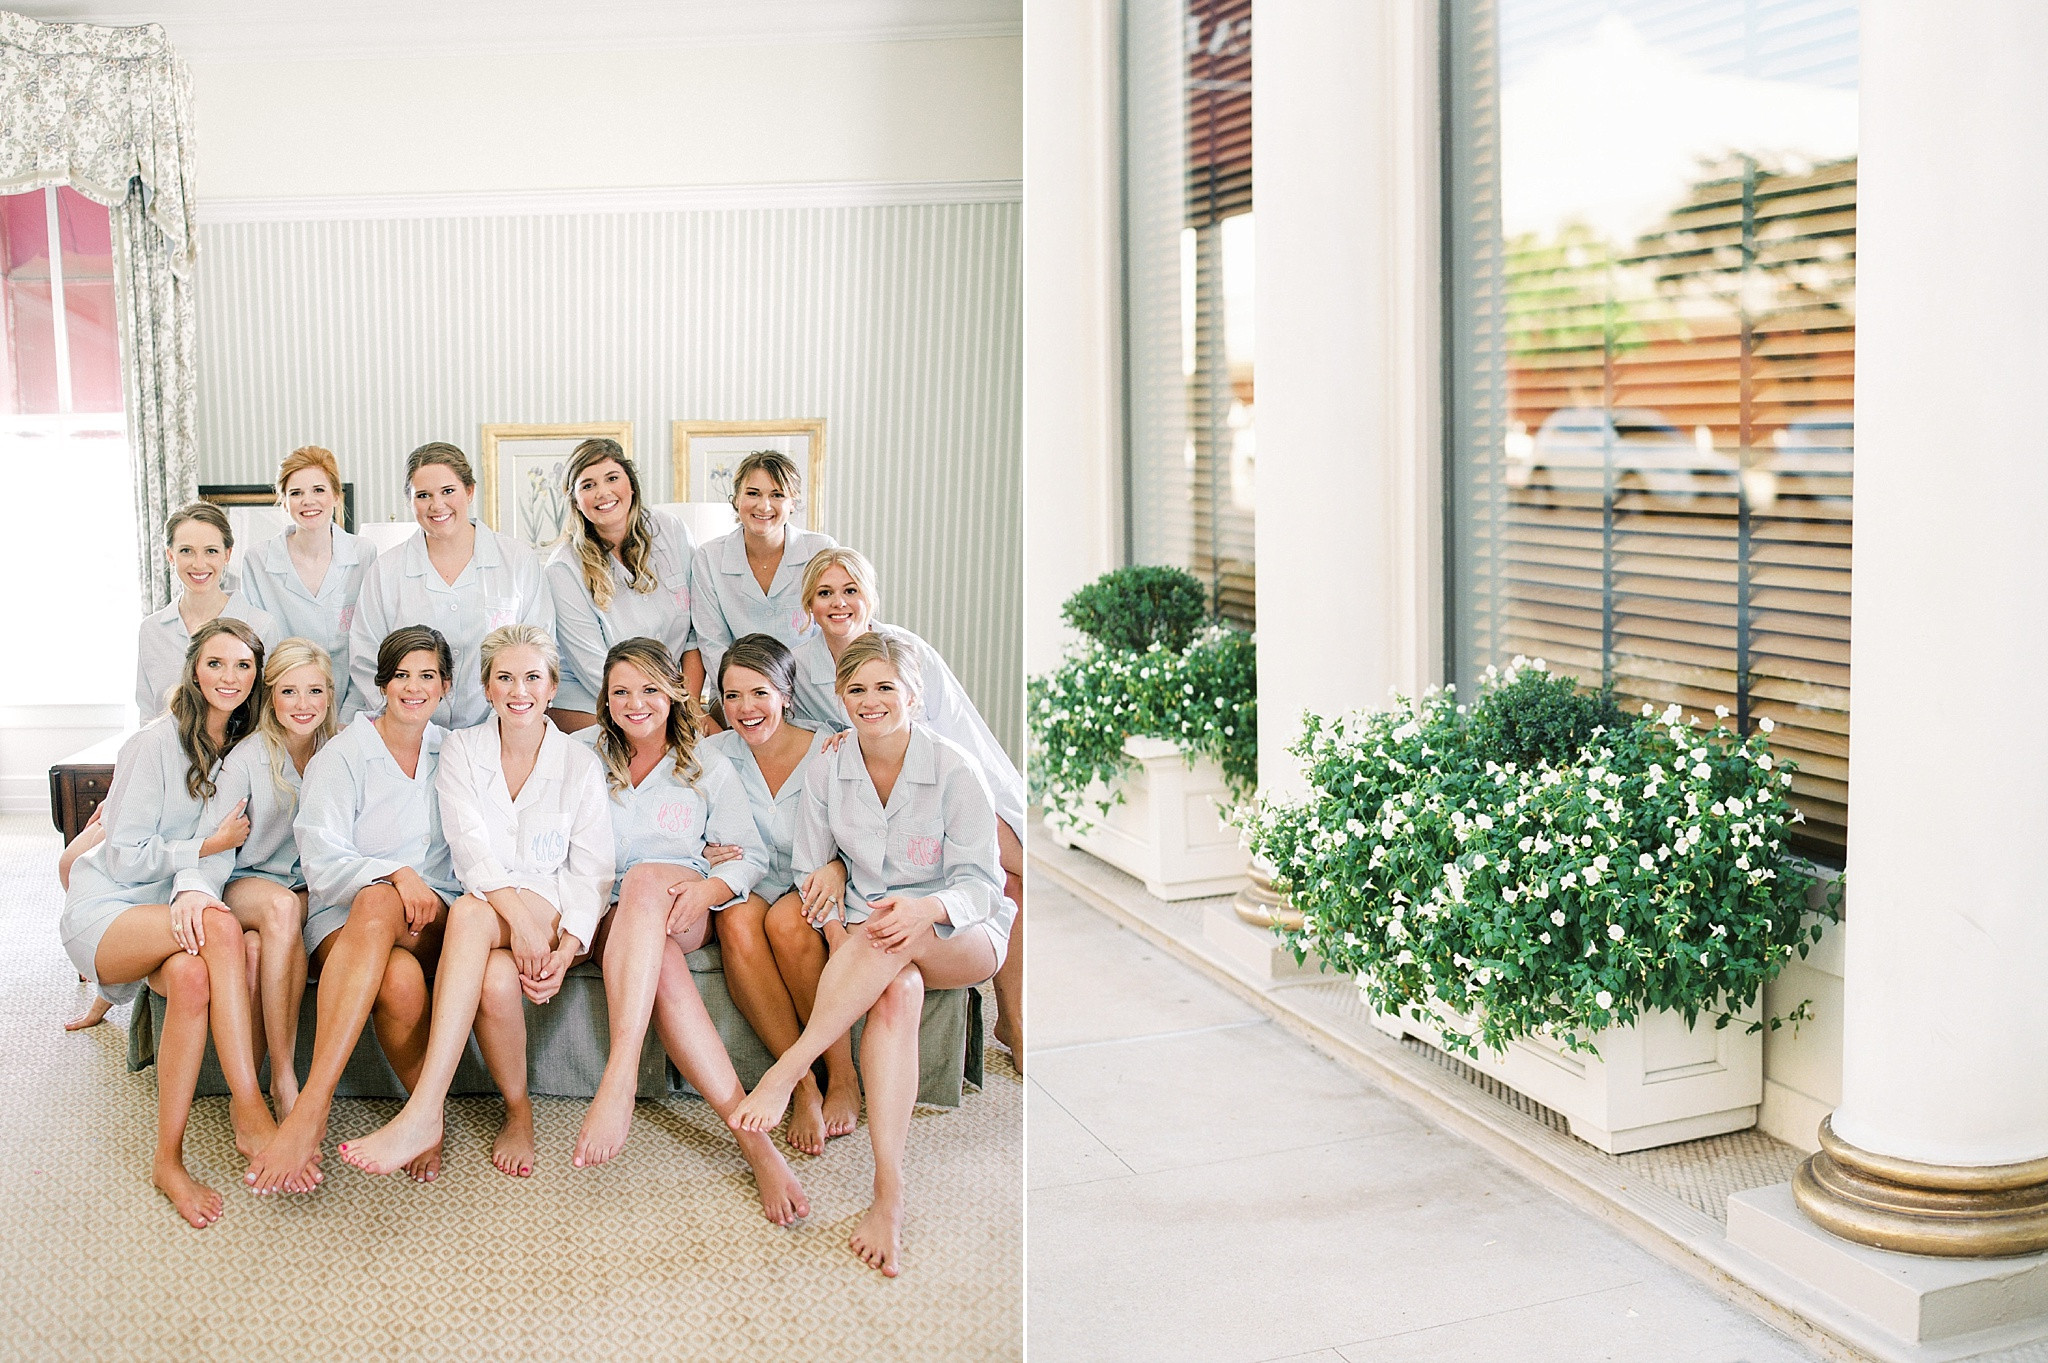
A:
(1169, 830)
(1657, 1083)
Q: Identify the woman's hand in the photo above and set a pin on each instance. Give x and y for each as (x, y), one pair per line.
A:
(897, 922)
(834, 739)
(232, 833)
(188, 920)
(719, 853)
(533, 948)
(549, 983)
(692, 904)
(822, 892)
(422, 905)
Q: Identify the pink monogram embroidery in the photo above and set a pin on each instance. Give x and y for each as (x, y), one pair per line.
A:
(800, 620)
(922, 851)
(673, 817)
(348, 617)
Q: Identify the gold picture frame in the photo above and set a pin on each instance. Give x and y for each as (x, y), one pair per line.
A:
(705, 451)
(518, 474)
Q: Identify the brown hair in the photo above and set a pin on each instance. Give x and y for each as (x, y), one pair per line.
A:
(651, 656)
(289, 654)
(636, 549)
(874, 647)
(439, 452)
(413, 639)
(189, 707)
(206, 513)
(310, 457)
(776, 465)
(767, 655)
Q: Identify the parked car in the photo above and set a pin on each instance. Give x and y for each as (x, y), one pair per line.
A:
(1649, 454)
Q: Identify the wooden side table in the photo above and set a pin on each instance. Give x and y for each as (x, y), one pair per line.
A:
(80, 782)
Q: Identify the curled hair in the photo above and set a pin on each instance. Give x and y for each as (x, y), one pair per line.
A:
(310, 457)
(636, 547)
(767, 655)
(413, 639)
(289, 655)
(855, 565)
(206, 513)
(679, 735)
(874, 646)
(439, 452)
(513, 636)
(776, 465)
(189, 707)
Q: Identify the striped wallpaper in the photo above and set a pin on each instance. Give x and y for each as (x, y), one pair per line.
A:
(899, 324)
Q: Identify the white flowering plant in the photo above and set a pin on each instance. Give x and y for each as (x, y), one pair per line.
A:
(1204, 697)
(1644, 868)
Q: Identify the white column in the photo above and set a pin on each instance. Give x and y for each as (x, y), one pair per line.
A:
(1073, 460)
(1946, 1014)
(1345, 147)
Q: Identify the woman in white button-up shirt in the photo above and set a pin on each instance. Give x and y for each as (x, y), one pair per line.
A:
(125, 922)
(750, 580)
(378, 882)
(260, 881)
(199, 546)
(623, 572)
(531, 839)
(459, 577)
(910, 816)
(668, 796)
(839, 589)
(311, 576)
(772, 954)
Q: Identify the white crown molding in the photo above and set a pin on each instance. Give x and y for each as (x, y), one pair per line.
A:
(658, 199)
(233, 31)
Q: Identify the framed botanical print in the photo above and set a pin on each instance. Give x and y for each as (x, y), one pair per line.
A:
(707, 452)
(519, 475)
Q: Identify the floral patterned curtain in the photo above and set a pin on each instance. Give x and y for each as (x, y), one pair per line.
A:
(108, 111)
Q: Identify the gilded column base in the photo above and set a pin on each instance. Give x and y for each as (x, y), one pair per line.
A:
(1960, 1212)
(1260, 905)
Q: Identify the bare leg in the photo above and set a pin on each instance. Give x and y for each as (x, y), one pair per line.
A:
(182, 980)
(635, 939)
(763, 998)
(694, 1044)
(401, 1020)
(800, 956)
(501, 1035)
(889, 1049)
(474, 930)
(352, 975)
(89, 837)
(1009, 980)
(278, 915)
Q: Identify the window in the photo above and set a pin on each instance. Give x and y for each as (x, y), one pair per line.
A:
(1652, 241)
(70, 514)
(1191, 440)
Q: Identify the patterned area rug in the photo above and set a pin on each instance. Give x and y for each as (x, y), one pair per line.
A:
(661, 1254)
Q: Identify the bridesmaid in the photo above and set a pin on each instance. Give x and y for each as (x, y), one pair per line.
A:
(260, 881)
(839, 591)
(622, 572)
(310, 576)
(531, 842)
(772, 954)
(378, 882)
(461, 578)
(750, 580)
(668, 795)
(910, 815)
(199, 546)
(124, 921)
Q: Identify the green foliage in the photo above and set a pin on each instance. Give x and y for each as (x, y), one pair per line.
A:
(1133, 608)
(1645, 870)
(1204, 697)
(1538, 718)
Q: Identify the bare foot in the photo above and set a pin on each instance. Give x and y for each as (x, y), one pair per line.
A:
(90, 1017)
(290, 1160)
(512, 1152)
(197, 1203)
(878, 1239)
(253, 1124)
(1011, 1038)
(427, 1167)
(782, 1197)
(762, 1109)
(604, 1125)
(397, 1143)
(807, 1119)
(842, 1105)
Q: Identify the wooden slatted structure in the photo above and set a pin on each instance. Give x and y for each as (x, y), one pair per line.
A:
(1672, 518)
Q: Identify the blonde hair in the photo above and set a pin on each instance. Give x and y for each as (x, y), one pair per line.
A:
(290, 654)
(776, 465)
(511, 636)
(310, 457)
(636, 547)
(875, 646)
(188, 707)
(856, 566)
(651, 656)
